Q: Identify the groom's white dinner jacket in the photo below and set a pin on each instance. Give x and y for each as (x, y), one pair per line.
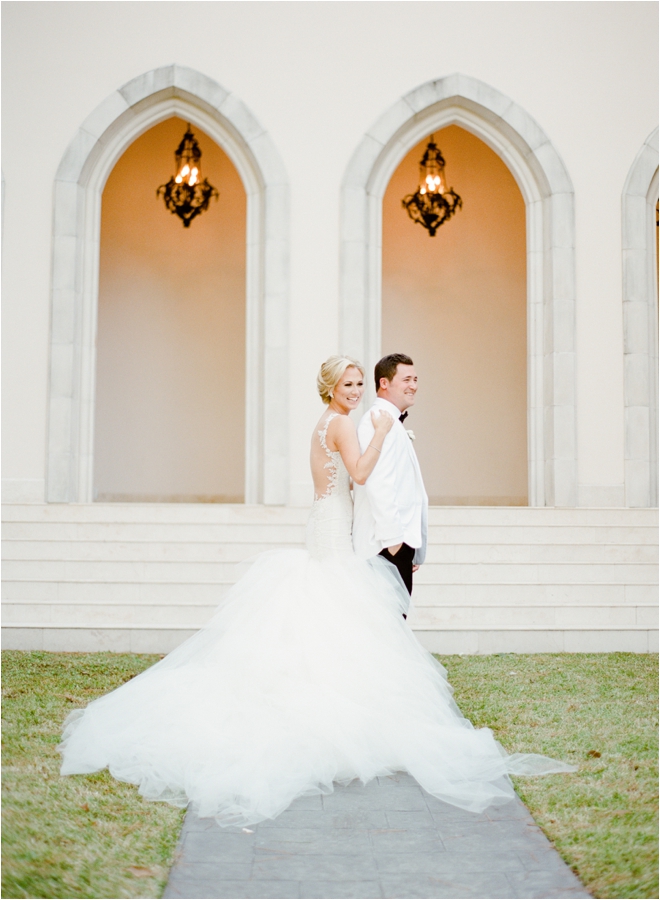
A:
(392, 507)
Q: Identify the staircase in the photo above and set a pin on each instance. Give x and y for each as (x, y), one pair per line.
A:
(143, 577)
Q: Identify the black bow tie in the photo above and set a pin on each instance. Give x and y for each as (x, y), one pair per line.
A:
(403, 416)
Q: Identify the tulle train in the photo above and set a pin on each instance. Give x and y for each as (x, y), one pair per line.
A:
(306, 675)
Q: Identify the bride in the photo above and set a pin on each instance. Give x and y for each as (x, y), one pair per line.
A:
(306, 675)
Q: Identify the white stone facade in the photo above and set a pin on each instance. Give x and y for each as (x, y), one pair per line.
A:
(316, 104)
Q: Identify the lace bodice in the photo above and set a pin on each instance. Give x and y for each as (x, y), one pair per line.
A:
(331, 517)
(338, 477)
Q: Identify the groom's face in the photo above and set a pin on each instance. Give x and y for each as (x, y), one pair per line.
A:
(402, 388)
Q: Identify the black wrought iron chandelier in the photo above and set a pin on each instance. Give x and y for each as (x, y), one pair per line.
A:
(185, 194)
(432, 204)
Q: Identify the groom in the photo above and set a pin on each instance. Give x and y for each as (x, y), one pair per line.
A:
(391, 509)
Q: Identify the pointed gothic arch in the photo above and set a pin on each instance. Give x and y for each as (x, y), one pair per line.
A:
(640, 326)
(548, 193)
(89, 159)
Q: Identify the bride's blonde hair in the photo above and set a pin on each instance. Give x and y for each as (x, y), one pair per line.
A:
(331, 372)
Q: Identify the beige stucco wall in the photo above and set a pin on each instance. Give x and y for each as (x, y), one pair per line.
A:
(456, 303)
(170, 384)
(316, 75)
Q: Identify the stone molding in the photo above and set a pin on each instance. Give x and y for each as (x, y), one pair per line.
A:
(99, 142)
(640, 327)
(549, 198)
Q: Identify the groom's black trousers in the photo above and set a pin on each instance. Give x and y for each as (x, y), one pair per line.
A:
(403, 560)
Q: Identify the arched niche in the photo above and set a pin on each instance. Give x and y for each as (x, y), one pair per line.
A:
(98, 144)
(640, 326)
(457, 303)
(550, 223)
(170, 339)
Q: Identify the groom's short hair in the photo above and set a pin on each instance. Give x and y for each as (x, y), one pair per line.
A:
(386, 367)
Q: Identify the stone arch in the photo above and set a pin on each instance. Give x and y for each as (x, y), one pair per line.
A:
(640, 326)
(81, 176)
(548, 193)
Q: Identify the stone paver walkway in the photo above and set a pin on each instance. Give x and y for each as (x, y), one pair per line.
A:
(386, 839)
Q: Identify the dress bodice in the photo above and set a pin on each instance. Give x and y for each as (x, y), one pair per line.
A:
(331, 518)
(338, 477)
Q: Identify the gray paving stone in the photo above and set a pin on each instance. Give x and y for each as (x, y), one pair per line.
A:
(339, 842)
(385, 839)
(200, 846)
(443, 812)
(237, 890)
(194, 823)
(481, 839)
(493, 886)
(451, 864)
(209, 869)
(341, 890)
(359, 821)
(541, 859)
(514, 809)
(530, 885)
(309, 867)
(395, 797)
(398, 840)
(416, 820)
(340, 818)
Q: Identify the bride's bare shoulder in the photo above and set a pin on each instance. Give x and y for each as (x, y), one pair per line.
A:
(341, 425)
(322, 428)
(334, 427)
(340, 430)
(323, 424)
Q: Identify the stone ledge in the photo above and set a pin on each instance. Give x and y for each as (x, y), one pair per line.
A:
(151, 640)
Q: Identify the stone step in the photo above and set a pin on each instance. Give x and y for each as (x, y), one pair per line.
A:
(137, 639)
(137, 551)
(594, 594)
(210, 593)
(142, 577)
(92, 592)
(533, 618)
(211, 551)
(543, 534)
(286, 534)
(201, 513)
(171, 532)
(194, 513)
(222, 572)
(194, 616)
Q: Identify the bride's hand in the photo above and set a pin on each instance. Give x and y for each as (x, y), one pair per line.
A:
(382, 421)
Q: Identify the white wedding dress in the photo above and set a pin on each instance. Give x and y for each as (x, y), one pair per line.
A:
(306, 675)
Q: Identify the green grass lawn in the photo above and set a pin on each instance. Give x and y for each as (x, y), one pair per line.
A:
(84, 835)
(90, 836)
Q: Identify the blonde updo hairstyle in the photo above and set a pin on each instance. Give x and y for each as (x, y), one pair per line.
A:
(331, 373)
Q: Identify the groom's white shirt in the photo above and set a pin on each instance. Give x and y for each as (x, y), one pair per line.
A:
(392, 507)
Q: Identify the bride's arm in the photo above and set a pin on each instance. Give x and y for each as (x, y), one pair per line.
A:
(342, 433)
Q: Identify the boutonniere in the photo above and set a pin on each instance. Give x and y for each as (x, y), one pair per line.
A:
(410, 433)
